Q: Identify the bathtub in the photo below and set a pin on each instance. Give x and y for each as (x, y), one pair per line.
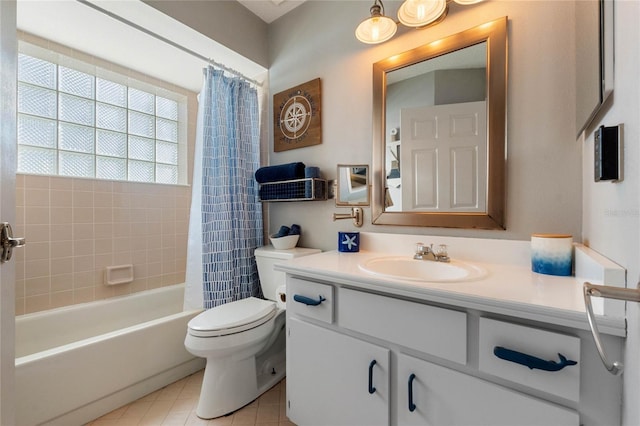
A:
(76, 363)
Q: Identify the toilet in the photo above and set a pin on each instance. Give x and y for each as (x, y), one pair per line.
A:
(243, 341)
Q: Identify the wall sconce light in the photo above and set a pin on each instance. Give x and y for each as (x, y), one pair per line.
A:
(412, 13)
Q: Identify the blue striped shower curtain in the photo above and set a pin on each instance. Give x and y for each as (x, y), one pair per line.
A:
(226, 217)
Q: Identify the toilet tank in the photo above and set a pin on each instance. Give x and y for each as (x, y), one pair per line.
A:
(267, 257)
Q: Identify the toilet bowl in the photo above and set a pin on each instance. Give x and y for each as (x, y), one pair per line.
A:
(242, 341)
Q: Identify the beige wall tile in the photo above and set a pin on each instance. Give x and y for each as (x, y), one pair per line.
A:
(83, 215)
(103, 260)
(63, 265)
(103, 215)
(61, 249)
(103, 292)
(20, 309)
(36, 197)
(83, 263)
(103, 230)
(61, 298)
(61, 215)
(82, 184)
(82, 199)
(62, 282)
(83, 295)
(61, 183)
(83, 247)
(122, 258)
(83, 231)
(36, 215)
(60, 198)
(83, 280)
(36, 251)
(36, 234)
(34, 182)
(37, 268)
(36, 303)
(103, 200)
(36, 286)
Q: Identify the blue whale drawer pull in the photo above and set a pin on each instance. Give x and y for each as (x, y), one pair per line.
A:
(307, 300)
(532, 361)
(412, 406)
(372, 388)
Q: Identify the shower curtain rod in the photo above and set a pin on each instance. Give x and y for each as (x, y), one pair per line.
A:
(170, 42)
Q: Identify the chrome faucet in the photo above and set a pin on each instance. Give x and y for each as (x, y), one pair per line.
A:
(424, 252)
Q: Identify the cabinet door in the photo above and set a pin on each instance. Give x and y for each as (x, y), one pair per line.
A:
(447, 397)
(333, 379)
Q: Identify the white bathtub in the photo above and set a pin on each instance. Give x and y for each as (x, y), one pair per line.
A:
(76, 363)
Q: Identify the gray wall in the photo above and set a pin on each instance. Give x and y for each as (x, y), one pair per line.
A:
(611, 211)
(544, 159)
(227, 22)
(434, 88)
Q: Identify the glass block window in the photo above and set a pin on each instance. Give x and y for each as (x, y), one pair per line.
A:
(72, 122)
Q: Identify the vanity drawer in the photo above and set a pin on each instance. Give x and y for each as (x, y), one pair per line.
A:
(530, 353)
(428, 329)
(310, 299)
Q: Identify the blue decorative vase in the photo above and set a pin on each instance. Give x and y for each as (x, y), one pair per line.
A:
(348, 242)
(552, 254)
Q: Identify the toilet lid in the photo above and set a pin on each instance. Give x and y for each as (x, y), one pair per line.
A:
(232, 317)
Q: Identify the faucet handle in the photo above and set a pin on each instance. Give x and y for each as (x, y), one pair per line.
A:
(441, 250)
(419, 247)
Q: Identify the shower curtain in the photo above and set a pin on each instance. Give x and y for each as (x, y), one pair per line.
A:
(225, 225)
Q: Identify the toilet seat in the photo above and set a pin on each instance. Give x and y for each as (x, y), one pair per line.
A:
(233, 317)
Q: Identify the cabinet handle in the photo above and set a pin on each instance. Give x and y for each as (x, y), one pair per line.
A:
(372, 388)
(532, 361)
(412, 406)
(307, 300)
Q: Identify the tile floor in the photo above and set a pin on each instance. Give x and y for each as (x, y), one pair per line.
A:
(176, 403)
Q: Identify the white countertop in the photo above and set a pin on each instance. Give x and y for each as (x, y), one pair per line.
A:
(507, 289)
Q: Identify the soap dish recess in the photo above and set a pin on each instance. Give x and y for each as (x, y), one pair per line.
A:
(121, 274)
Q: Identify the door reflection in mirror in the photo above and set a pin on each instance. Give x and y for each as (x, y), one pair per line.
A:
(352, 185)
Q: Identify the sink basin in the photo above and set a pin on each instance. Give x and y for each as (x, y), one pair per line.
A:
(406, 268)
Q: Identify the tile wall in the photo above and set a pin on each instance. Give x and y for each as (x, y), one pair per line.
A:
(75, 227)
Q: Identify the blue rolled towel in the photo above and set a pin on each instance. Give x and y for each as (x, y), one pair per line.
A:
(279, 173)
(312, 172)
(282, 232)
(295, 230)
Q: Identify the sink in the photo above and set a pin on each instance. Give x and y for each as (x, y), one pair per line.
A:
(406, 268)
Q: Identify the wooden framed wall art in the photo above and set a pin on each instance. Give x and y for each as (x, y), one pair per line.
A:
(297, 117)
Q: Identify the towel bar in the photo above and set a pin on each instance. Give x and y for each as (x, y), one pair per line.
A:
(610, 292)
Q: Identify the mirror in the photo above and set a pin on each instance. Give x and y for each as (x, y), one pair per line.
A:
(439, 132)
(352, 185)
(594, 58)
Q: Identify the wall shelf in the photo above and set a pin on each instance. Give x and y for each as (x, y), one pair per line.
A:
(306, 189)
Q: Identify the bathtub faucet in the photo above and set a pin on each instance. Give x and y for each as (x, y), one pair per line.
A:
(424, 252)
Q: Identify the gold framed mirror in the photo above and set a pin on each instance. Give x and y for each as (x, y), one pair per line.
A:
(425, 170)
(352, 185)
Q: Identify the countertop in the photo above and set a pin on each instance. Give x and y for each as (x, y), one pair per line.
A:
(506, 289)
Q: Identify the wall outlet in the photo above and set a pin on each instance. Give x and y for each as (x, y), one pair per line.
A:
(607, 153)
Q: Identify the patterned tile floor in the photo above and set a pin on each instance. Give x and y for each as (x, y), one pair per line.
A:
(176, 403)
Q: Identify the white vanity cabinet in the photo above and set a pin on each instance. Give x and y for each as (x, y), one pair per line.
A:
(335, 379)
(429, 394)
(357, 357)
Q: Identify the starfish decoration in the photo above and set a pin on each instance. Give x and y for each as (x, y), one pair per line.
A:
(350, 241)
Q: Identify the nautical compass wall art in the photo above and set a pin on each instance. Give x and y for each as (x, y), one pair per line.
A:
(297, 118)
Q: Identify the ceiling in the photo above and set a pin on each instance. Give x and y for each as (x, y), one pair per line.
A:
(270, 10)
(91, 28)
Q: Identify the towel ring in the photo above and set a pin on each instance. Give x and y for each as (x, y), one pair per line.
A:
(610, 292)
